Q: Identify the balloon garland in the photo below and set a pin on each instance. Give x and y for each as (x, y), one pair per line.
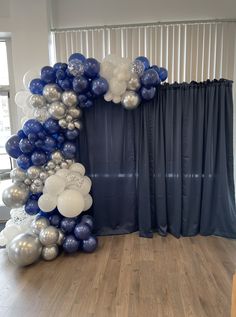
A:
(51, 188)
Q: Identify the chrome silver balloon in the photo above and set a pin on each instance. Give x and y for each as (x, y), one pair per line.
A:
(38, 182)
(18, 175)
(62, 123)
(33, 172)
(57, 168)
(57, 110)
(71, 126)
(50, 252)
(69, 98)
(69, 162)
(75, 113)
(43, 175)
(57, 157)
(68, 118)
(134, 83)
(38, 224)
(51, 172)
(61, 237)
(36, 189)
(78, 125)
(49, 235)
(52, 92)
(64, 165)
(130, 100)
(24, 249)
(51, 165)
(16, 195)
(27, 181)
(41, 114)
(37, 101)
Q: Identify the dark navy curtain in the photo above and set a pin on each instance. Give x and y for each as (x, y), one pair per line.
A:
(166, 166)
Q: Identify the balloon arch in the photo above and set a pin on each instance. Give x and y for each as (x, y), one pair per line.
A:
(50, 196)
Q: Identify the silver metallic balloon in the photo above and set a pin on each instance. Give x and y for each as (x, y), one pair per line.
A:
(36, 189)
(37, 101)
(61, 237)
(69, 118)
(75, 113)
(16, 195)
(50, 252)
(62, 123)
(78, 125)
(69, 98)
(71, 126)
(28, 181)
(41, 114)
(69, 162)
(57, 157)
(57, 110)
(38, 224)
(137, 68)
(38, 182)
(52, 92)
(49, 235)
(51, 165)
(130, 100)
(57, 168)
(24, 249)
(51, 172)
(64, 165)
(33, 172)
(18, 175)
(43, 176)
(134, 83)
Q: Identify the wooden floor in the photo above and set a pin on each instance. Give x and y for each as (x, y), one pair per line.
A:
(127, 276)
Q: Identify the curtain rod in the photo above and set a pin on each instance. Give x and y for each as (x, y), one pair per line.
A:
(114, 26)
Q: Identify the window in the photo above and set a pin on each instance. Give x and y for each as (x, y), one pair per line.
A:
(5, 128)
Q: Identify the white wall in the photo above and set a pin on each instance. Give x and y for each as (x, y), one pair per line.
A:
(26, 23)
(72, 13)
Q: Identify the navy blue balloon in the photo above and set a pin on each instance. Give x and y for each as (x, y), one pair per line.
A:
(68, 224)
(32, 137)
(156, 68)
(39, 144)
(32, 126)
(58, 66)
(72, 134)
(51, 126)
(77, 56)
(32, 207)
(144, 60)
(69, 150)
(21, 134)
(86, 104)
(36, 86)
(88, 220)
(26, 146)
(80, 84)
(24, 161)
(48, 74)
(65, 84)
(49, 144)
(82, 98)
(82, 231)
(163, 73)
(99, 86)
(12, 146)
(150, 78)
(148, 93)
(35, 196)
(42, 135)
(70, 244)
(55, 220)
(90, 244)
(60, 74)
(91, 68)
(38, 158)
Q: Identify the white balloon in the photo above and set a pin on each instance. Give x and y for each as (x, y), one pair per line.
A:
(88, 179)
(47, 202)
(10, 232)
(62, 172)
(3, 240)
(55, 185)
(107, 69)
(116, 99)
(108, 96)
(30, 75)
(70, 203)
(77, 167)
(21, 98)
(83, 186)
(117, 87)
(88, 201)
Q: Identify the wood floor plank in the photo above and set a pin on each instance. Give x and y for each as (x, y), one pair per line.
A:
(127, 276)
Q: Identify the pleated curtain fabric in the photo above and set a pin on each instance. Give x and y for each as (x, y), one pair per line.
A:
(190, 51)
(165, 167)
